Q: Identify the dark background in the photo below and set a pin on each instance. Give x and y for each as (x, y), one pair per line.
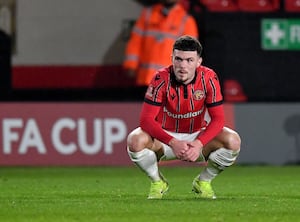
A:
(232, 47)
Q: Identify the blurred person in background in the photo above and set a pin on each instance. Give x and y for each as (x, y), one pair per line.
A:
(182, 117)
(151, 40)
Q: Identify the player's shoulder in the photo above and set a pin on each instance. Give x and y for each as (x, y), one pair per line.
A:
(158, 82)
(206, 71)
(161, 75)
(207, 74)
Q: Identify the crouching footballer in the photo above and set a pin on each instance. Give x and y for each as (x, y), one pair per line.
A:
(182, 118)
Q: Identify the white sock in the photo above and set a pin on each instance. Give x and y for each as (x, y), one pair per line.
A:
(209, 172)
(217, 162)
(146, 160)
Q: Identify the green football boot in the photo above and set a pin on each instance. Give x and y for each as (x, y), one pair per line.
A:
(203, 189)
(158, 189)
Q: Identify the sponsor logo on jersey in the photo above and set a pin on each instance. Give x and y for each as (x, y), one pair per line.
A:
(183, 115)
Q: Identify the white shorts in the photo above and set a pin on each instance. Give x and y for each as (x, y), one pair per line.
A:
(168, 151)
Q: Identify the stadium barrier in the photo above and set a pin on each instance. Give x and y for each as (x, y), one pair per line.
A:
(93, 133)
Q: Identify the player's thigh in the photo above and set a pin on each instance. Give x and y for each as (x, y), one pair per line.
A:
(138, 140)
(223, 139)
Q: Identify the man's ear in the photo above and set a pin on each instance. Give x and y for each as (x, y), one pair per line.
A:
(199, 62)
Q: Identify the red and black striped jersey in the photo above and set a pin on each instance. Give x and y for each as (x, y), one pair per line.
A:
(183, 107)
(179, 107)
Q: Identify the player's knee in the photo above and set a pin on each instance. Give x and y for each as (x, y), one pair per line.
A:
(136, 141)
(233, 141)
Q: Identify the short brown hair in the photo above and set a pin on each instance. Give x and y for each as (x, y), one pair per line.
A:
(188, 43)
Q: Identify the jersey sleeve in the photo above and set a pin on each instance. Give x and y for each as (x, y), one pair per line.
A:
(214, 103)
(213, 90)
(149, 125)
(154, 99)
(157, 88)
(215, 126)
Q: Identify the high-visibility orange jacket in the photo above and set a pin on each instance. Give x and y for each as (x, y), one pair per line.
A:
(150, 45)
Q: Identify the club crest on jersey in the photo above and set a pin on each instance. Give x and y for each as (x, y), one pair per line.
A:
(198, 95)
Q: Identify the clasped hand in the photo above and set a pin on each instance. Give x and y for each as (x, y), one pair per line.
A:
(185, 150)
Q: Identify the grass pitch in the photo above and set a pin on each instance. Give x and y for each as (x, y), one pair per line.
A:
(245, 193)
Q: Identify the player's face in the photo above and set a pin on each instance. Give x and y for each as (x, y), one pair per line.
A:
(185, 64)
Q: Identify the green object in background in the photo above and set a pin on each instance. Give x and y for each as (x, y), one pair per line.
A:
(280, 34)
